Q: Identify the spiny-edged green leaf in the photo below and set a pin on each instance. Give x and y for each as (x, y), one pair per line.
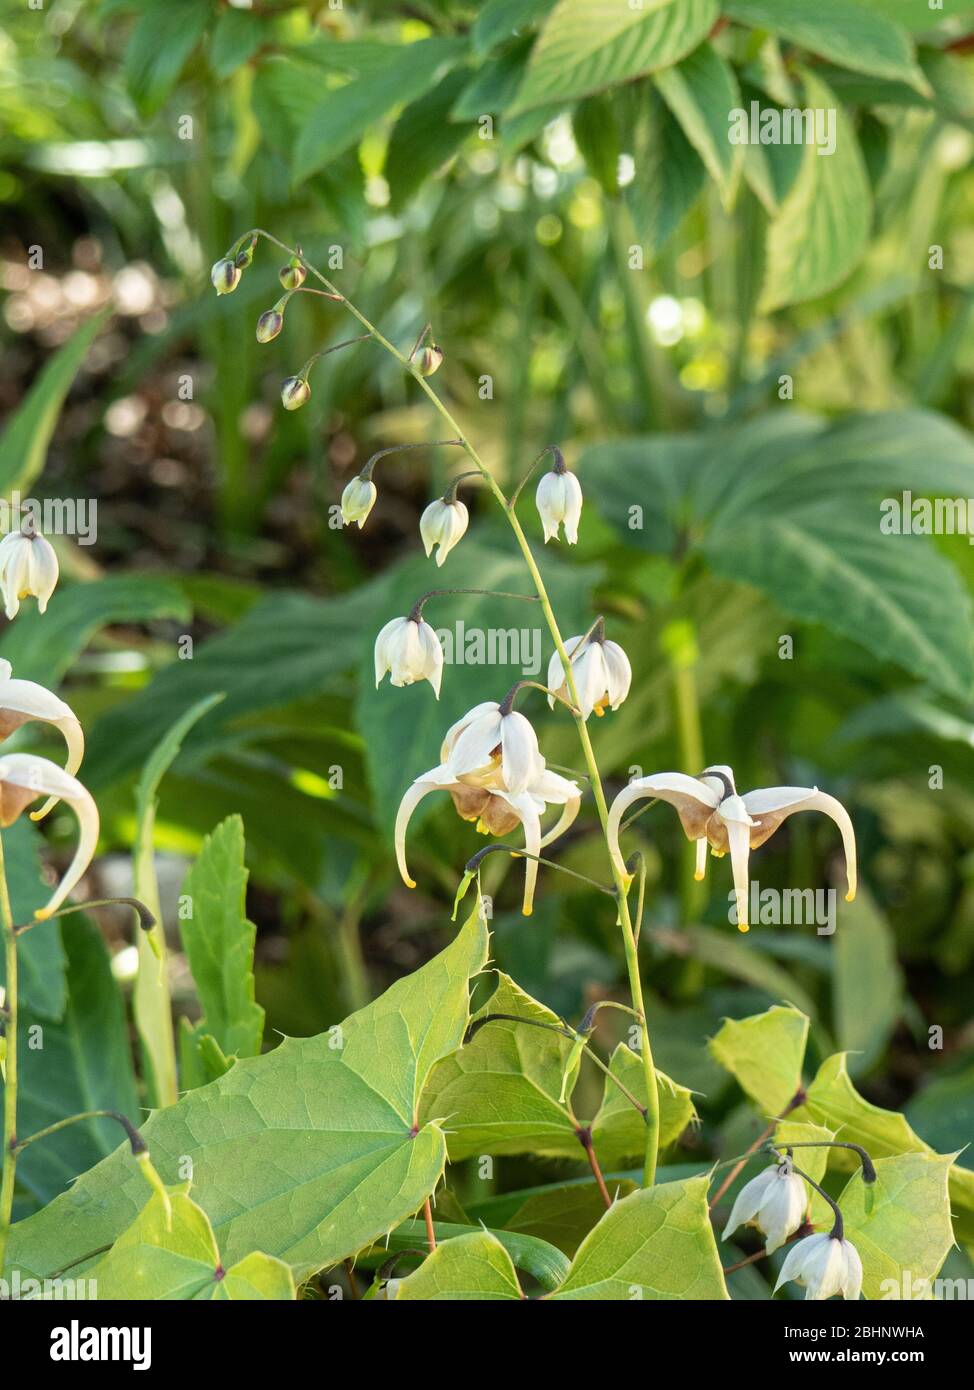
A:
(344, 115)
(309, 1152)
(564, 1213)
(845, 31)
(656, 1244)
(587, 45)
(499, 1093)
(764, 1054)
(43, 647)
(867, 986)
(498, 20)
(822, 229)
(424, 138)
(151, 1001)
(700, 92)
(544, 1262)
(171, 1253)
(82, 1063)
(469, 1267)
(23, 447)
(900, 1224)
(164, 36)
(832, 1100)
(219, 942)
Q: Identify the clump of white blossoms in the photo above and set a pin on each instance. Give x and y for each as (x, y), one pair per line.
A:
(410, 651)
(443, 524)
(559, 501)
(358, 499)
(28, 566)
(826, 1265)
(600, 668)
(712, 813)
(775, 1202)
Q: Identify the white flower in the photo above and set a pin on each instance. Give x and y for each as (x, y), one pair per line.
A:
(826, 1265)
(410, 650)
(358, 499)
(775, 1201)
(601, 670)
(28, 565)
(495, 748)
(712, 813)
(23, 778)
(21, 701)
(443, 523)
(559, 499)
(496, 810)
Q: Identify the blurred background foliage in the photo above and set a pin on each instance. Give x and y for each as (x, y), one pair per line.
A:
(741, 351)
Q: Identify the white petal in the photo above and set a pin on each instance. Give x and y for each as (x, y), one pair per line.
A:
(852, 1283)
(749, 1200)
(432, 656)
(740, 850)
(437, 779)
(701, 866)
(783, 1210)
(778, 803)
(429, 525)
(42, 570)
(455, 730)
(382, 647)
(799, 1256)
(619, 673)
(572, 506)
(687, 794)
(519, 751)
(473, 749)
(45, 778)
(523, 804)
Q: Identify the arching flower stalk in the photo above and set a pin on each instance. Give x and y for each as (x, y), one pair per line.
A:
(712, 813)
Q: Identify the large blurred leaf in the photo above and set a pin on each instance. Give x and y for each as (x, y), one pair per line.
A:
(42, 648)
(23, 447)
(587, 45)
(844, 30)
(78, 1062)
(669, 173)
(700, 92)
(164, 36)
(309, 1152)
(867, 987)
(424, 138)
(343, 116)
(822, 229)
(498, 20)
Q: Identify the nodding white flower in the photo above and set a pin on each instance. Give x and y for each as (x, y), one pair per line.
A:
(23, 778)
(711, 812)
(559, 499)
(601, 670)
(358, 499)
(28, 565)
(225, 276)
(775, 1202)
(826, 1265)
(443, 523)
(495, 747)
(496, 810)
(410, 651)
(22, 701)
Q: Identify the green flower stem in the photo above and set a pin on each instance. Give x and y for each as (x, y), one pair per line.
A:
(10, 1065)
(625, 921)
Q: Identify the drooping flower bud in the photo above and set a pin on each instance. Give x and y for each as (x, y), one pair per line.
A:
(428, 359)
(559, 499)
(443, 524)
(28, 565)
(775, 1202)
(358, 499)
(271, 321)
(826, 1265)
(225, 276)
(245, 254)
(295, 392)
(293, 275)
(410, 651)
